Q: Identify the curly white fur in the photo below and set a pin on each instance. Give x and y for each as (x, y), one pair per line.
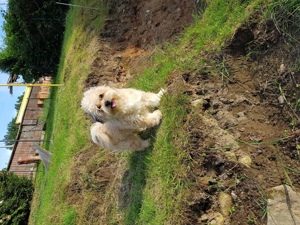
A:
(121, 114)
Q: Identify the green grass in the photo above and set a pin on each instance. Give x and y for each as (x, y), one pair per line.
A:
(156, 176)
(66, 123)
(69, 217)
(163, 192)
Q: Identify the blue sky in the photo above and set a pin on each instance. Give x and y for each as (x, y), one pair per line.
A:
(7, 103)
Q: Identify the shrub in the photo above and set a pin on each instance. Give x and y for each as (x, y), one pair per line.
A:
(15, 198)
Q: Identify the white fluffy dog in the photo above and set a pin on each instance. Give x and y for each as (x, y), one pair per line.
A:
(121, 114)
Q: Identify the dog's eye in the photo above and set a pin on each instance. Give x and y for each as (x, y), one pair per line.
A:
(101, 96)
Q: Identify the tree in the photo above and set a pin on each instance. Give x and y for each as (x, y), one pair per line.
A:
(12, 127)
(34, 32)
(15, 198)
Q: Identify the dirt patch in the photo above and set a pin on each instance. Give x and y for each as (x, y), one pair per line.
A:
(94, 174)
(142, 24)
(131, 31)
(243, 138)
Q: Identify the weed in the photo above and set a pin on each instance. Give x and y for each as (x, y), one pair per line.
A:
(290, 106)
(214, 186)
(285, 15)
(262, 202)
(232, 209)
(288, 179)
(224, 70)
(251, 220)
(292, 169)
(285, 182)
(263, 143)
(245, 177)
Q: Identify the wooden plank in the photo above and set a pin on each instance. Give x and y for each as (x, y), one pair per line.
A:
(40, 102)
(45, 89)
(29, 122)
(43, 95)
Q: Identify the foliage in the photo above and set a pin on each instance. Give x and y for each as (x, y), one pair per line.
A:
(12, 127)
(12, 130)
(15, 197)
(34, 31)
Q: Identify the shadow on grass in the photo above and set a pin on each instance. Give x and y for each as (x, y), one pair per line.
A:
(134, 181)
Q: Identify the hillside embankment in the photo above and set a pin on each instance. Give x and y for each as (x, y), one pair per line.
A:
(240, 134)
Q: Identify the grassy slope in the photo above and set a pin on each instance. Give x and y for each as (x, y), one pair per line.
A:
(160, 164)
(162, 202)
(66, 119)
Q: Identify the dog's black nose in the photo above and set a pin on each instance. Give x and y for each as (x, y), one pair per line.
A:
(107, 103)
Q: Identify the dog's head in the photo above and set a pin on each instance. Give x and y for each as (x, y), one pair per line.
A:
(100, 102)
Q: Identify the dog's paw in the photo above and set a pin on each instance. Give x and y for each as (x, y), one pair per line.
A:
(152, 119)
(158, 114)
(161, 92)
(140, 145)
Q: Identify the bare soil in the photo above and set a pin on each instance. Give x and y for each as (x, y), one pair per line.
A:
(238, 113)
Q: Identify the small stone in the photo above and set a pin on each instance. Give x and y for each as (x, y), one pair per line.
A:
(198, 102)
(231, 155)
(259, 151)
(226, 101)
(241, 116)
(283, 206)
(218, 219)
(225, 203)
(234, 196)
(281, 100)
(261, 177)
(281, 69)
(245, 160)
(255, 138)
(213, 218)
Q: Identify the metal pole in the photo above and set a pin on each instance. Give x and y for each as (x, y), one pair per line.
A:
(23, 171)
(80, 6)
(25, 140)
(31, 85)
